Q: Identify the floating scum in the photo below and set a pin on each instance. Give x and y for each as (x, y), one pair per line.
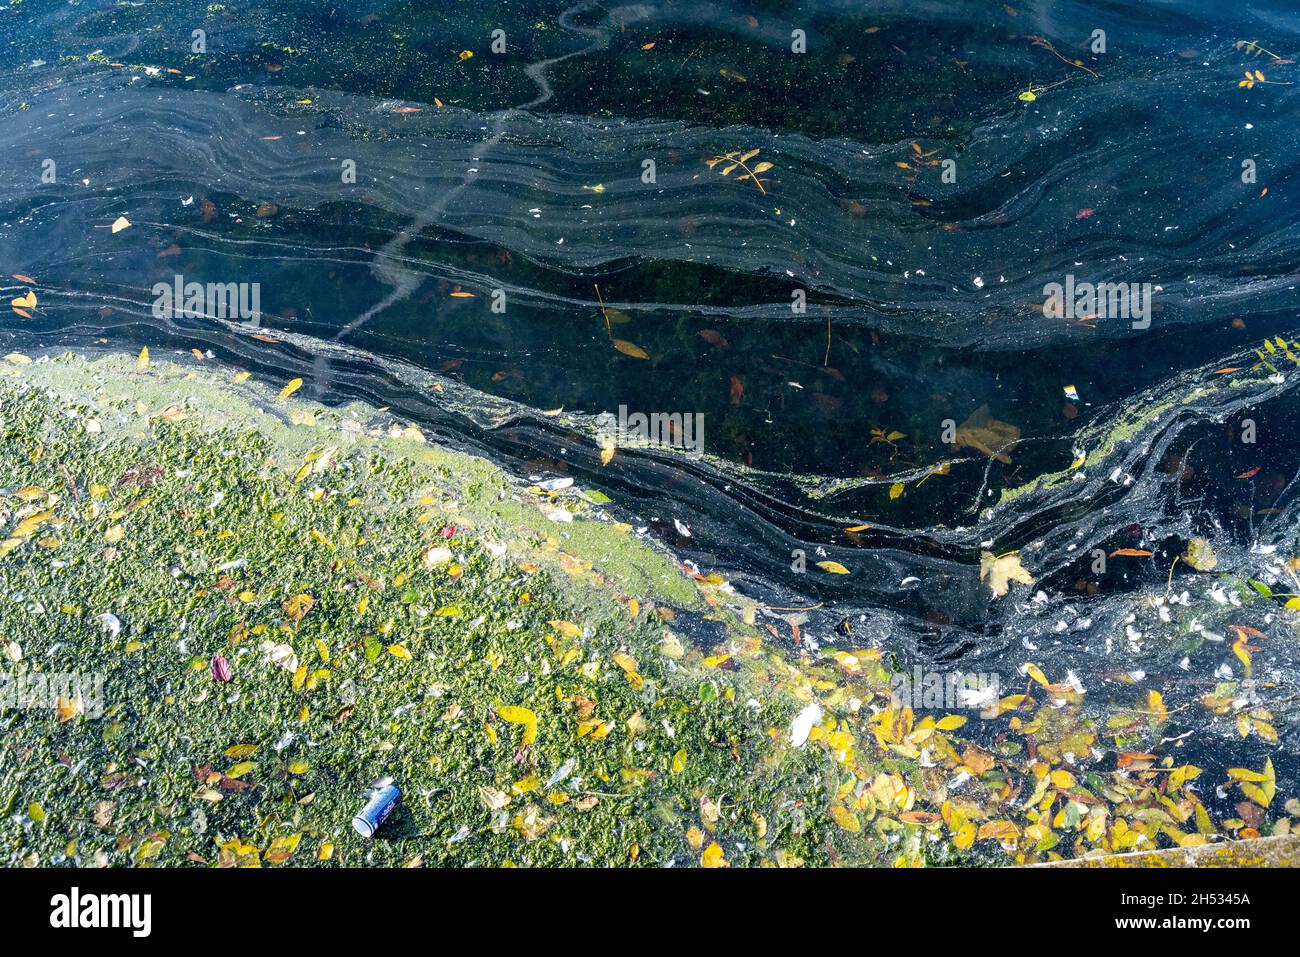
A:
(289, 601)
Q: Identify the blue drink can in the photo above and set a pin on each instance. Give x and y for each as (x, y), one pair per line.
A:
(381, 804)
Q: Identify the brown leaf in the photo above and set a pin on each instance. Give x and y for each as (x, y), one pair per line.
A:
(977, 760)
(986, 434)
(1252, 814)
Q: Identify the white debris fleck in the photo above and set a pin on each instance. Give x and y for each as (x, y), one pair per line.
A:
(803, 724)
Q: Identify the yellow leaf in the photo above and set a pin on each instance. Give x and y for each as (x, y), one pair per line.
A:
(595, 729)
(630, 349)
(1243, 655)
(143, 361)
(399, 651)
(896, 490)
(293, 386)
(1063, 779)
(713, 857)
(1156, 704)
(298, 606)
(120, 224)
(523, 716)
(282, 848)
(524, 785)
(679, 761)
(846, 818)
(516, 715)
(66, 709)
(1259, 787)
(240, 769)
(965, 836)
(835, 568)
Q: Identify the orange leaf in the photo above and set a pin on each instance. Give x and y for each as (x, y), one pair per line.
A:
(919, 817)
(1243, 630)
(1127, 758)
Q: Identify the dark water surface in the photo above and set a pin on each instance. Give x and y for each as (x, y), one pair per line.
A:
(924, 295)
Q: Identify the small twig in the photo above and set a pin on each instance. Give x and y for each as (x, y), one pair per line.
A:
(608, 330)
(1047, 45)
(692, 53)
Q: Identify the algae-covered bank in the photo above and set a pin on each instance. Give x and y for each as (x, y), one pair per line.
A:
(258, 606)
(226, 612)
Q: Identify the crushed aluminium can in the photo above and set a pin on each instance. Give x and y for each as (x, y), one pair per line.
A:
(382, 801)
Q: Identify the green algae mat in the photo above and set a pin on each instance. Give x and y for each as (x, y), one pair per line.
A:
(226, 613)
